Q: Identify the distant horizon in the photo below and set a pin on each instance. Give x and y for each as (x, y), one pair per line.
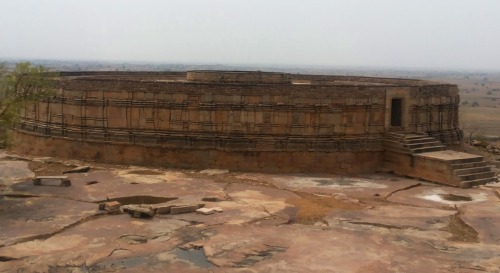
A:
(264, 65)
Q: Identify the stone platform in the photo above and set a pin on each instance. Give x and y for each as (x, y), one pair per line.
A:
(421, 156)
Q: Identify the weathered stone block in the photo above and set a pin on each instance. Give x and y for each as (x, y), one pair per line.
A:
(139, 211)
(61, 181)
(208, 211)
(183, 209)
(112, 206)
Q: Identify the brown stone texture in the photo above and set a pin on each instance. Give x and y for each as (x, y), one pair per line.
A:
(235, 120)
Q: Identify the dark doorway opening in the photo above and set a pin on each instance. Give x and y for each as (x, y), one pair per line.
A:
(396, 112)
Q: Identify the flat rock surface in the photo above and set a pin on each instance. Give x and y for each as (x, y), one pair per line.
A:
(270, 222)
(24, 218)
(14, 171)
(366, 186)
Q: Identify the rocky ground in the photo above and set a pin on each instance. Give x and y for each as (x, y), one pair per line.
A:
(270, 222)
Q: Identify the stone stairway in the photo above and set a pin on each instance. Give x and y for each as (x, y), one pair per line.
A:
(472, 171)
(419, 155)
(411, 143)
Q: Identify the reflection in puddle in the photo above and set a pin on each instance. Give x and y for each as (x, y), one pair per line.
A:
(194, 256)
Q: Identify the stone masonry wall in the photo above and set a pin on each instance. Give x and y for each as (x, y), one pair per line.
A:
(212, 116)
(254, 124)
(434, 110)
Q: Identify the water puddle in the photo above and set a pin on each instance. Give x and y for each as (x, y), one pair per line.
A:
(195, 256)
(260, 255)
(454, 197)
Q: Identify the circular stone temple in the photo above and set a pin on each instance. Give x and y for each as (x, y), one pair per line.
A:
(255, 120)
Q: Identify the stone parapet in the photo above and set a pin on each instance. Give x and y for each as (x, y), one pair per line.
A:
(237, 76)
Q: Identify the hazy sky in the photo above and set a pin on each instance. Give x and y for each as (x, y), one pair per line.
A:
(462, 34)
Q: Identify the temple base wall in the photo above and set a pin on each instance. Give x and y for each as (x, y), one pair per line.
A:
(264, 161)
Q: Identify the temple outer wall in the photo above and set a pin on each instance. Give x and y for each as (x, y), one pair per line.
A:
(336, 125)
(129, 154)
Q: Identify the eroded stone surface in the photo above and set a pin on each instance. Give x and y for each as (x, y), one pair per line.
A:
(371, 223)
(365, 186)
(25, 218)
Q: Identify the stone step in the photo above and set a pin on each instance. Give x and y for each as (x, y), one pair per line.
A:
(472, 170)
(405, 146)
(468, 165)
(399, 136)
(476, 176)
(415, 137)
(428, 149)
(418, 140)
(477, 159)
(422, 144)
(477, 182)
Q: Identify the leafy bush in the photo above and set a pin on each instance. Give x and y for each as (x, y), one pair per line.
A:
(24, 84)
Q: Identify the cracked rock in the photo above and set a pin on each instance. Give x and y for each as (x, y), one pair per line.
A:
(81, 169)
(212, 199)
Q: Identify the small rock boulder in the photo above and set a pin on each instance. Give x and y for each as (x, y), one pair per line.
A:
(208, 211)
(112, 206)
(476, 142)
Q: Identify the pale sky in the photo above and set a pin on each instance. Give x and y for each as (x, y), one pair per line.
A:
(439, 34)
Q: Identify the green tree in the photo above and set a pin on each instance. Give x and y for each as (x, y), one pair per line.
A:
(24, 84)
